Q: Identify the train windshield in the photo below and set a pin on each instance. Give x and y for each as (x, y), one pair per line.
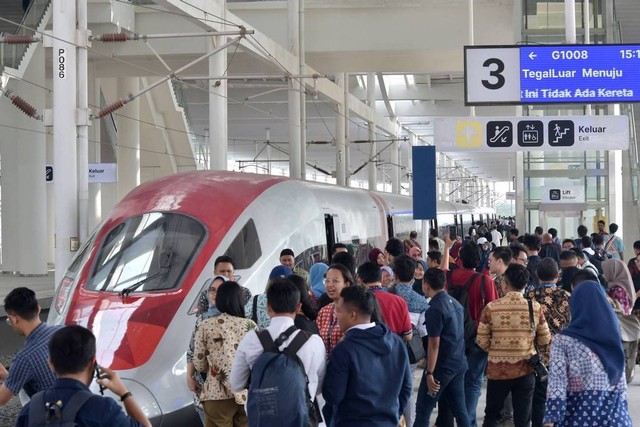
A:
(149, 252)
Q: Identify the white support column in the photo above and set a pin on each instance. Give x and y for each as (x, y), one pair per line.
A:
(95, 190)
(83, 126)
(395, 167)
(64, 129)
(347, 141)
(128, 152)
(293, 44)
(414, 142)
(341, 176)
(303, 96)
(218, 130)
(371, 102)
(520, 213)
(445, 176)
(570, 21)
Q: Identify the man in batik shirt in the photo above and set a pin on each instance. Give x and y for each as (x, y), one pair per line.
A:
(555, 306)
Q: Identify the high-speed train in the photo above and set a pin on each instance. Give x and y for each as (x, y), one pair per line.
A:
(135, 283)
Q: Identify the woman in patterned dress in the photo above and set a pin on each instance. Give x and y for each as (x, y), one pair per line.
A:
(206, 309)
(337, 277)
(621, 291)
(216, 342)
(587, 385)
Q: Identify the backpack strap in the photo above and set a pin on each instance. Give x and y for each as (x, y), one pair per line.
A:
(296, 344)
(71, 408)
(37, 410)
(268, 344)
(254, 313)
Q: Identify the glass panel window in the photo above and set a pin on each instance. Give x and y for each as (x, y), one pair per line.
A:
(245, 249)
(149, 252)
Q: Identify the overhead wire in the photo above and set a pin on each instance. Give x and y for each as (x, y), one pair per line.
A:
(154, 72)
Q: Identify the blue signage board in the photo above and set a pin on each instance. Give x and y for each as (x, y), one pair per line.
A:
(425, 197)
(552, 74)
(580, 74)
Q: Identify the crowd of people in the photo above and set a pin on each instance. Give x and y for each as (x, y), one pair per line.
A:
(551, 325)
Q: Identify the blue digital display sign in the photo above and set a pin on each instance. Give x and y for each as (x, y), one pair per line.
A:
(579, 74)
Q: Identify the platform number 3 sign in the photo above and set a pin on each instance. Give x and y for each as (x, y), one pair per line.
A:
(492, 75)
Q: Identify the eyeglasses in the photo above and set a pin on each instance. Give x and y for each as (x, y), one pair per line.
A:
(213, 290)
(523, 260)
(334, 281)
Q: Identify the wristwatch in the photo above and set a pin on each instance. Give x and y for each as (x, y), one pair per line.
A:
(427, 373)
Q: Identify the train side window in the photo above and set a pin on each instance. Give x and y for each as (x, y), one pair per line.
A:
(149, 252)
(245, 249)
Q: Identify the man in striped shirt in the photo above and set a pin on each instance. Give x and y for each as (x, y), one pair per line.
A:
(30, 371)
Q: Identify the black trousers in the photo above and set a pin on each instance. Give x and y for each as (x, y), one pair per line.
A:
(539, 399)
(522, 393)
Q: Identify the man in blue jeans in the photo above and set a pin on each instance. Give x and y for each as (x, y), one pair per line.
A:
(446, 361)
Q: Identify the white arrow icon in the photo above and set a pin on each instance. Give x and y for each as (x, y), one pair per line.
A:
(532, 56)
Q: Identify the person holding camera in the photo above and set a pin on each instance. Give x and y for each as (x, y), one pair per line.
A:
(510, 330)
(72, 352)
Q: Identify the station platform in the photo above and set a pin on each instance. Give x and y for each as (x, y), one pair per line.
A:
(43, 286)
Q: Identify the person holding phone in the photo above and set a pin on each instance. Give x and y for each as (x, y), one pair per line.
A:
(72, 352)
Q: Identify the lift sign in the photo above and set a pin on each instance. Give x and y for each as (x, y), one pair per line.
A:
(62, 63)
(576, 74)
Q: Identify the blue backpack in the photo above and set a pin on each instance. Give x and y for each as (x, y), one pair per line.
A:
(279, 392)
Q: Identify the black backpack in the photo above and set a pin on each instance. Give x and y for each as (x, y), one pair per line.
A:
(279, 387)
(461, 294)
(56, 414)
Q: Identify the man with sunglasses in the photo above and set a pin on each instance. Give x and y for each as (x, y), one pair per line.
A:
(29, 371)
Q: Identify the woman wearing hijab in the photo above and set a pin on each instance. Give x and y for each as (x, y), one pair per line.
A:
(586, 375)
(376, 256)
(620, 289)
(316, 278)
(388, 278)
(206, 310)
(421, 267)
(619, 284)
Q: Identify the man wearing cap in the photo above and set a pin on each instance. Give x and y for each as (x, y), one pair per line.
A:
(256, 308)
(287, 258)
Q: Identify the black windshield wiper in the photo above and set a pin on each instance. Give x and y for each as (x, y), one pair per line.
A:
(164, 272)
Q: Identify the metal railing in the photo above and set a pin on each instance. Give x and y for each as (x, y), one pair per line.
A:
(11, 55)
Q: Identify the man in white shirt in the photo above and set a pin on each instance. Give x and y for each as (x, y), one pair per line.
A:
(496, 236)
(283, 301)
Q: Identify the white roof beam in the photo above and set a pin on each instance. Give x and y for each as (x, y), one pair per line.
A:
(205, 10)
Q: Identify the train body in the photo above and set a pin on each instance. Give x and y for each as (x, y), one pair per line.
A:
(136, 281)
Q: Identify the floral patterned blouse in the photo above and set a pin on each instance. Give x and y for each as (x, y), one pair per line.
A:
(327, 322)
(216, 343)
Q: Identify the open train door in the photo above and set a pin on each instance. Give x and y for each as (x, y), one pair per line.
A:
(330, 222)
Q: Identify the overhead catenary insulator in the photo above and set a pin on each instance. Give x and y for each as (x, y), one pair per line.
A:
(111, 108)
(18, 39)
(114, 37)
(24, 106)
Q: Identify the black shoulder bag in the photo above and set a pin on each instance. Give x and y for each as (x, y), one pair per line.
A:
(540, 371)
